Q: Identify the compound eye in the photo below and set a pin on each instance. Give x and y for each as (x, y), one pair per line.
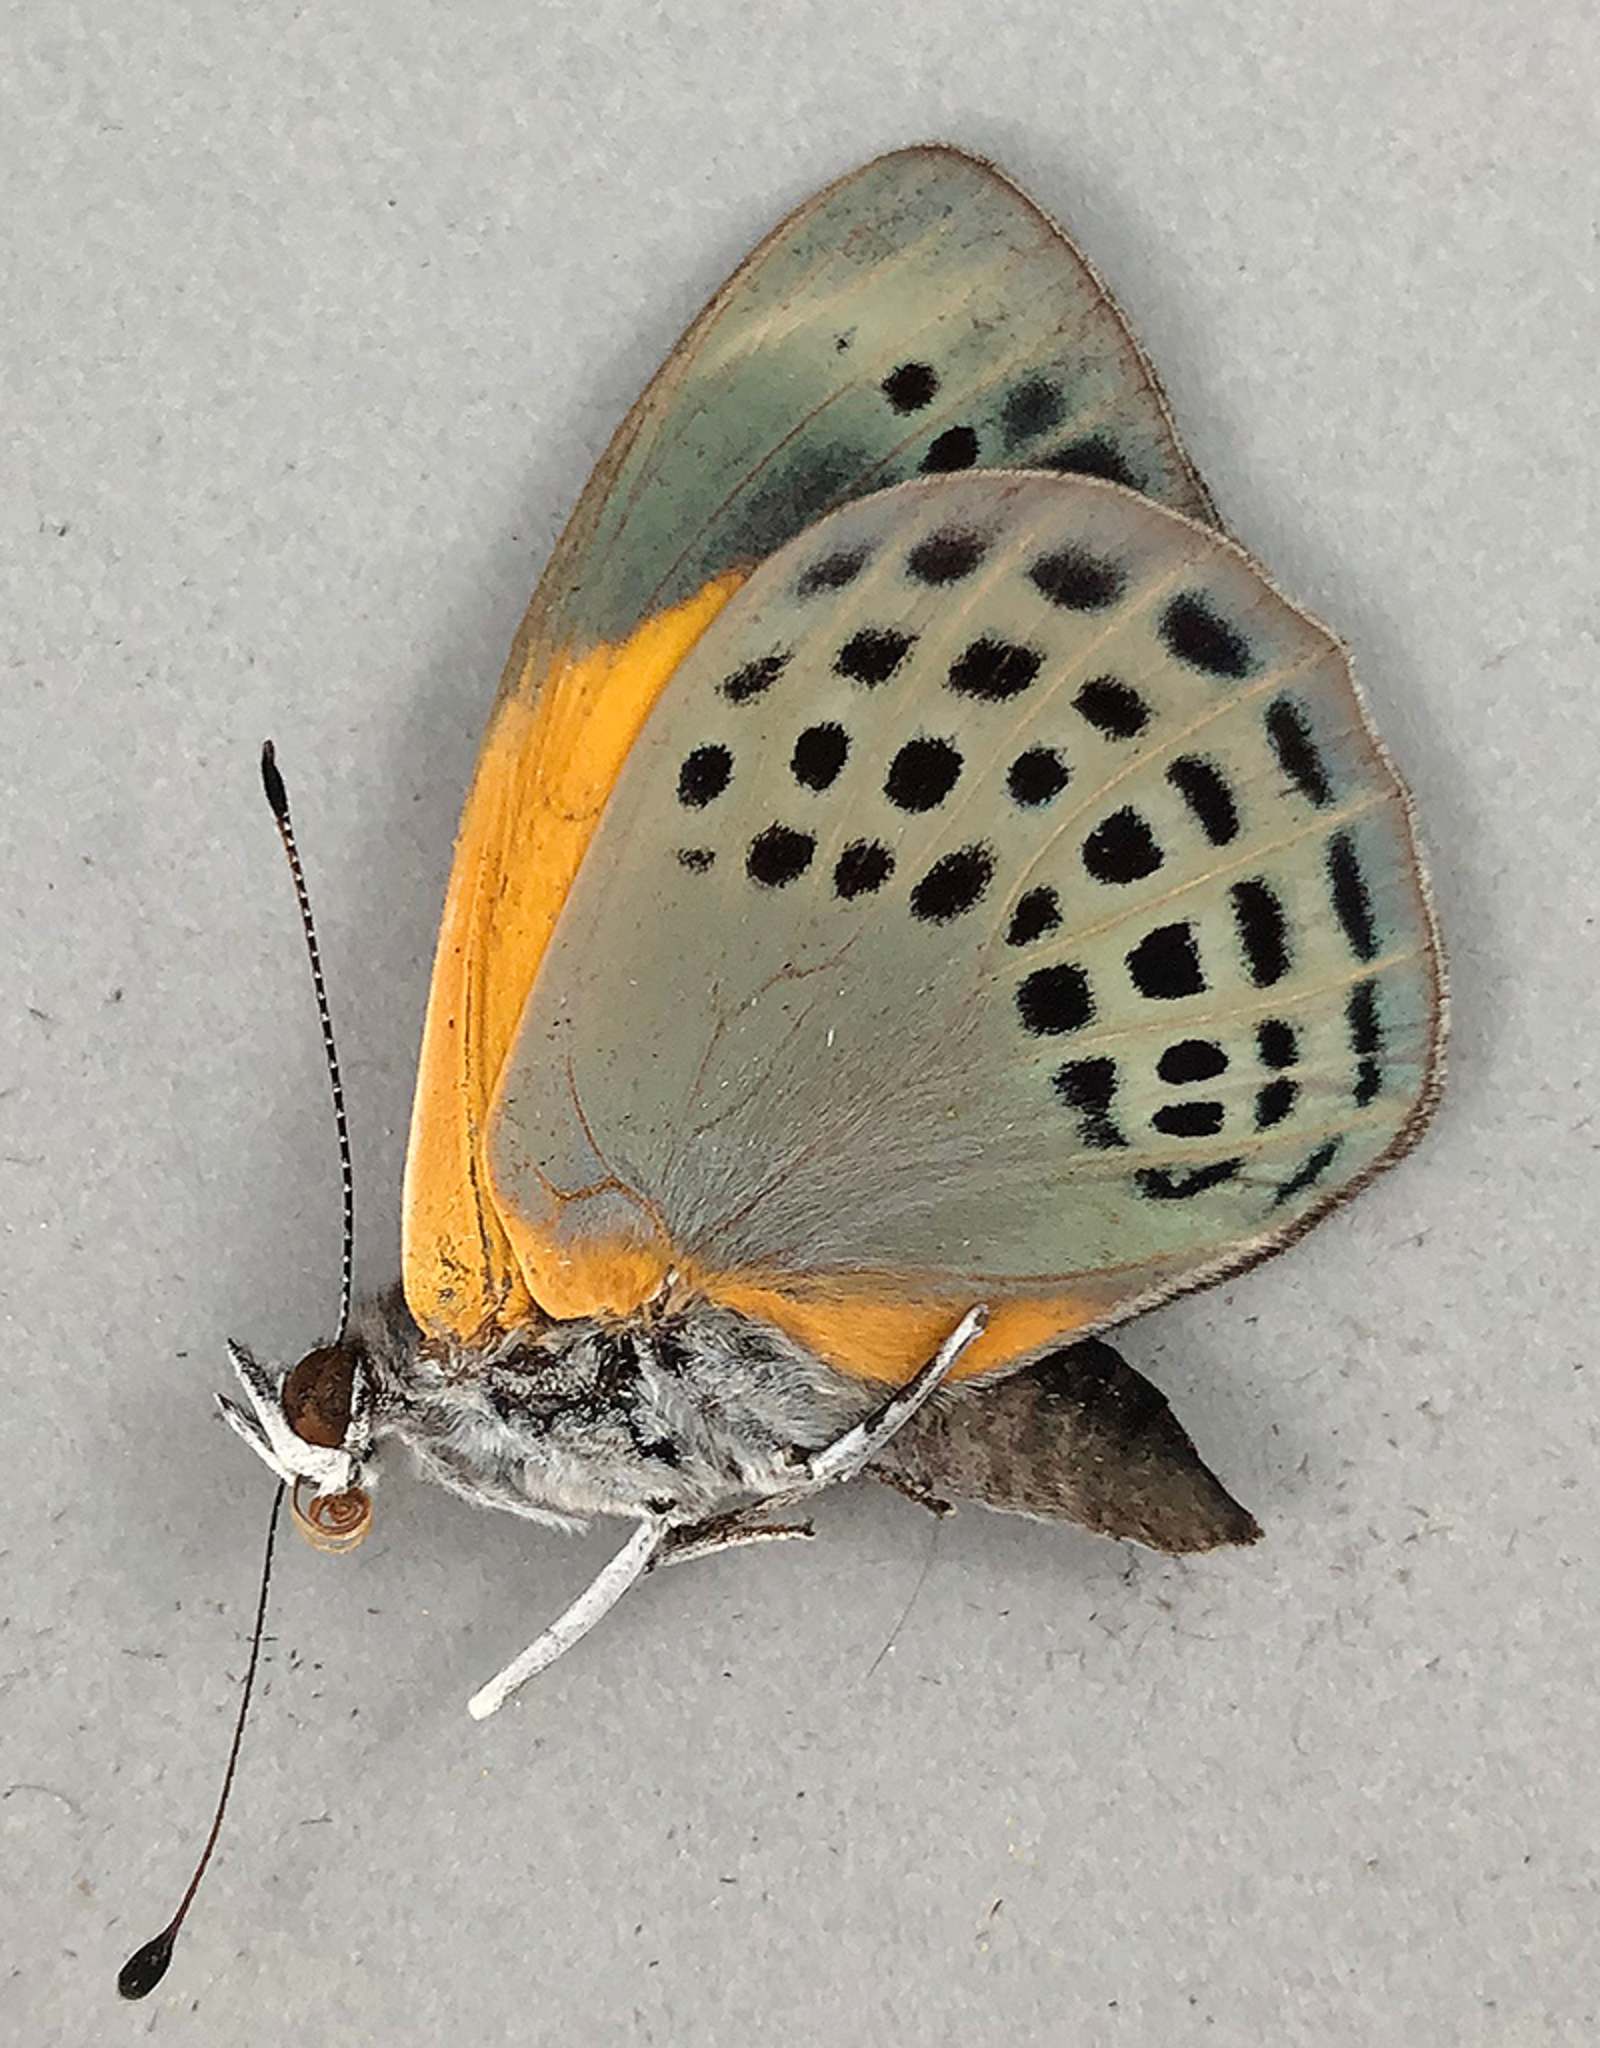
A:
(318, 1394)
(332, 1522)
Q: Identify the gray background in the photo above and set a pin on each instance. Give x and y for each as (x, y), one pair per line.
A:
(316, 318)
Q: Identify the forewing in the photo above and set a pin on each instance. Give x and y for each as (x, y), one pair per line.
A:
(919, 316)
(1007, 900)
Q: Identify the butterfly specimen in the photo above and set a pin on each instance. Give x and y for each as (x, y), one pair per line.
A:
(924, 898)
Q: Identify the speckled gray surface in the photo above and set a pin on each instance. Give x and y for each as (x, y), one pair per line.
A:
(315, 320)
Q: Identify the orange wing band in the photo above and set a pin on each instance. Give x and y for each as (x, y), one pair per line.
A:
(556, 743)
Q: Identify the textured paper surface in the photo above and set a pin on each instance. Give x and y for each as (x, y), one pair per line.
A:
(315, 321)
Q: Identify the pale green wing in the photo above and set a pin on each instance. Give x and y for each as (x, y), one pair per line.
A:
(1007, 894)
(921, 315)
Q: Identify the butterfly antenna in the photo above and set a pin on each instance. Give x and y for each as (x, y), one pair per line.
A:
(146, 1967)
(278, 798)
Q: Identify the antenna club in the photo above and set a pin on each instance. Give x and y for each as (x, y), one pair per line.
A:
(272, 781)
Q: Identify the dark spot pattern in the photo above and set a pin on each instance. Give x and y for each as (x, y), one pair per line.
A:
(955, 448)
(1277, 1043)
(1289, 731)
(1037, 776)
(1112, 707)
(1191, 1059)
(705, 774)
(1366, 1040)
(781, 502)
(1156, 1184)
(1203, 788)
(1263, 931)
(1121, 849)
(1076, 580)
(1308, 1176)
(946, 557)
(1351, 903)
(1092, 455)
(872, 655)
(1165, 964)
(753, 678)
(833, 572)
(1030, 409)
(1037, 912)
(1188, 1119)
(910, 387)
(1274, 1102)
(1088, 1086)
(993, 670)
(779, 856)
(922, 774)
(953, 885)
(1199, 635)
(864, 866)
(819, 755)
(697, 859)
(1055, 999)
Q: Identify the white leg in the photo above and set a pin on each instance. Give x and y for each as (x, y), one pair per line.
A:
(845, 1457)
(598, 1598)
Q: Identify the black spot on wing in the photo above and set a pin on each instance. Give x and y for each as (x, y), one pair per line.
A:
(1075, 580)
(1088, 1086)
(1191, 1059)
(833, 572)
(992, 669)
(1188, 1119)
(697, 859)
(779, 856)
(1092, 455)
(781, 503)
(1351, 903)
(1366, 1040)
(1037, 912)
(755, 677)
(1274, 1102)
(1309, 1174)
(1111, 707)
(1165, 965)
(819, 755)
(922, 774)
(1037, 776)
(1277, 1043)
(1030, 409)
(1263, 930)
(1289, 730)
(1197, 633)
(946, 557)
(705, 774)
(956, 448)
(1055, 999)
(863, 867)
(953, 885)
(910, 387)
(1121, 849)
(1156, 1184)
(872, 655)
(1204, 789)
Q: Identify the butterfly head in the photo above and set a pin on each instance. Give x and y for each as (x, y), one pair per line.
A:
(312, 1423)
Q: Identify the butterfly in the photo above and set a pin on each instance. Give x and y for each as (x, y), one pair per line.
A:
(924, 898)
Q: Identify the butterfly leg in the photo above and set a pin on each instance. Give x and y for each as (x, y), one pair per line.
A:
(689, 1540)
(596, 1600)
(809, 1471)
